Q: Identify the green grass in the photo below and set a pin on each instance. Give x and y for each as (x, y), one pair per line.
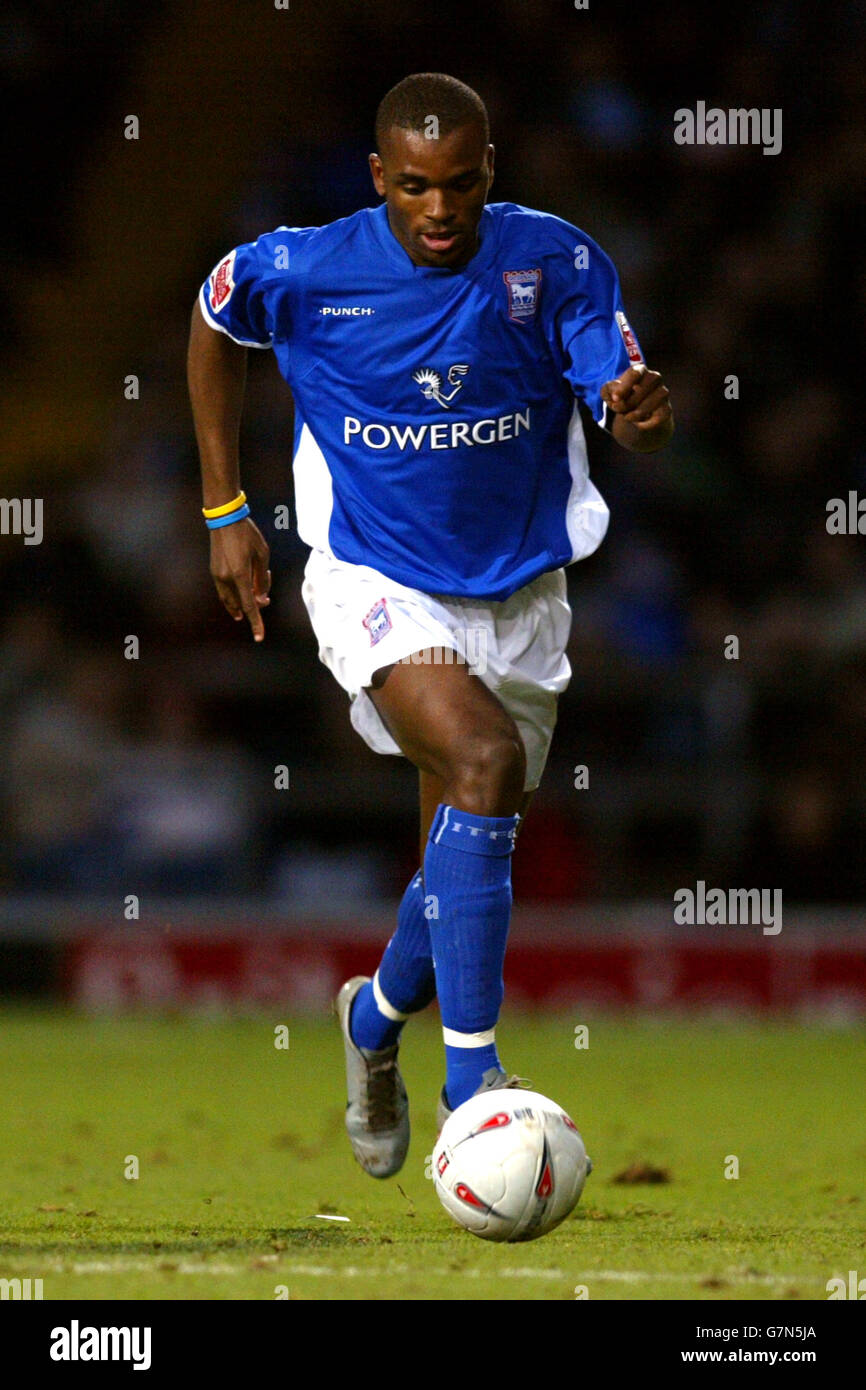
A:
(240, 1146)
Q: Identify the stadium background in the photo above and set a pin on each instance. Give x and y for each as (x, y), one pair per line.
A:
(154, 777)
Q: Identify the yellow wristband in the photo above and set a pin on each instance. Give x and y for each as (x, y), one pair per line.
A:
(212, 512)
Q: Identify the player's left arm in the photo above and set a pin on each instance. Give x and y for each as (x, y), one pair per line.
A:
(640, 403)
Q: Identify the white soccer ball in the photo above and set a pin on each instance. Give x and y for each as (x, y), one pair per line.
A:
(509, 1165)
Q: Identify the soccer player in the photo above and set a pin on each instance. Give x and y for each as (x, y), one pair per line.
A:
(437, 347)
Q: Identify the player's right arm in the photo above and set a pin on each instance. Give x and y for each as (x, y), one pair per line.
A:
(603, 359)
(216, 373)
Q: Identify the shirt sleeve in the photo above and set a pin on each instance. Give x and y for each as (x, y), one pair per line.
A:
(233, 300)
(595, 334)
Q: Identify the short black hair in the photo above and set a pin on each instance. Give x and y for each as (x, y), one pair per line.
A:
(413, 101)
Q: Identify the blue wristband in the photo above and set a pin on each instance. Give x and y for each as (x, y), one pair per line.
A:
(214, 523)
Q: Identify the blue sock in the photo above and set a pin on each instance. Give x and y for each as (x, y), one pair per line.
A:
(467, 879)
(405, 981)
(465, 1068)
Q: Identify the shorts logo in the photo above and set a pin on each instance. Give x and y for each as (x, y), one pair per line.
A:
(378, 621)
(430, 382)
(523, 288)
(631, 347)
(222, 283)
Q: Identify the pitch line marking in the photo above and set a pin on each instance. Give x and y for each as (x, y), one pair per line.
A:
(164, 1265)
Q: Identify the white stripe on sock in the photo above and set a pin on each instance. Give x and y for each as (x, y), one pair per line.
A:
(453, 1039)
(382, 1003)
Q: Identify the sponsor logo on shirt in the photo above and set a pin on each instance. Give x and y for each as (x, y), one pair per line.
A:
(430, 382)
(523, 288)
(222, 283)
(452, 435)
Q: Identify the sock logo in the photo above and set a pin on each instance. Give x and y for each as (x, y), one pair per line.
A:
(492, 828)
(476, 830)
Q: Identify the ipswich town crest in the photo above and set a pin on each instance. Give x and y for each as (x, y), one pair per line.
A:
(524, 288)
(378, 621)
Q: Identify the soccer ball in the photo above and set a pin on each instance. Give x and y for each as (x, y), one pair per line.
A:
(509, 1165)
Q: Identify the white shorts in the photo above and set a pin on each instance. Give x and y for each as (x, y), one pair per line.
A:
(363, 621)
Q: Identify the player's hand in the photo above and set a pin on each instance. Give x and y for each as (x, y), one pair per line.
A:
(640, 396)
(239, 566)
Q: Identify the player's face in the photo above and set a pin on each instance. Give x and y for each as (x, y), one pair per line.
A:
(435, 191)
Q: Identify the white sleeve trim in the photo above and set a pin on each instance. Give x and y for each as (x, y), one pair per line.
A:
(212, 323)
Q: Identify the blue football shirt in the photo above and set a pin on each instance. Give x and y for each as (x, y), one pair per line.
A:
(437, 434)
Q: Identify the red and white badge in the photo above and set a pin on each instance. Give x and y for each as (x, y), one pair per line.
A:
(631, 347)
(222, 283)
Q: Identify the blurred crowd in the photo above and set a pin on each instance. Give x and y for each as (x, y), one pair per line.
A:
(740, 762)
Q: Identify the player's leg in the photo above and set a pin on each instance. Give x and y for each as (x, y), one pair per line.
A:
(340, 598)
(405, 981)
(453, 728)
(456, 731)
(448, 723)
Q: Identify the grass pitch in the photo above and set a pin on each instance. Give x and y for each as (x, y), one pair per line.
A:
(240, 1152)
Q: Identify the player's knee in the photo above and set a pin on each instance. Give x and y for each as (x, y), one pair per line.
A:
(490, 773)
